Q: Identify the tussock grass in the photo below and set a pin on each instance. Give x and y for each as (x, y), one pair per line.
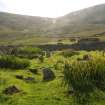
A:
(84, 76)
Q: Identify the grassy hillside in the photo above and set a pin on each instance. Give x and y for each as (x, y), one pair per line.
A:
(23, 24)
(15, 29)
(21, 29)
(88, 21)
(53, 92)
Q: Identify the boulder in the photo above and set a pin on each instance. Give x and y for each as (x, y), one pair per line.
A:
(11, 90)
(19, 76)
(48, 74)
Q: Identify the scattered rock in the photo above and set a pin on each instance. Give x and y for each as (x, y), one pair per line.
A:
(48, 54)
(29, 79)
(19, 76)
(11, 90)
(48, 74)
(34, 71)
(70, 92)
(87, 57)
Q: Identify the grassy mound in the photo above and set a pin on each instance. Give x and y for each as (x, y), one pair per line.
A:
(29, 52)
(69, 53)
(13, 62)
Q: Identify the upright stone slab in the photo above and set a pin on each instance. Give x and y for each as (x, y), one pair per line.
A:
(48, 74)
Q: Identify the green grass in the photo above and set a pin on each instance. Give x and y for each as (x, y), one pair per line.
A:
(28, 52)
(34, 40)
(85, 76)
(39, 93)
(7, 61)
(45, 93)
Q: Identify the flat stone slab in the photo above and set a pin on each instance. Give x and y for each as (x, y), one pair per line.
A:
(29, 79)
(11, 90)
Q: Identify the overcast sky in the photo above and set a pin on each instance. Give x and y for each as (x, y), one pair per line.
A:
(45, 8)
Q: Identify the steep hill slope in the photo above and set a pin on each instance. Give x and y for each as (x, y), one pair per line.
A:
(87, 21)
(24, 24)
(21, 29)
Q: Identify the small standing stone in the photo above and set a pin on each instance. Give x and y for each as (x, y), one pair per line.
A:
(48, 74)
